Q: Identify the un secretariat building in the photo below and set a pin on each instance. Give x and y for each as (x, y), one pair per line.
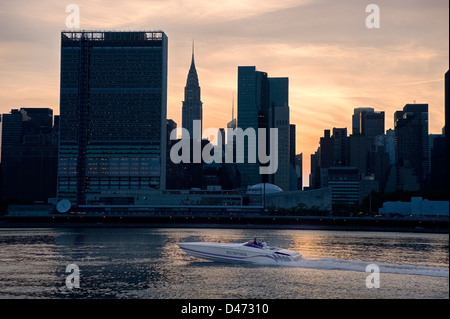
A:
(113, 102)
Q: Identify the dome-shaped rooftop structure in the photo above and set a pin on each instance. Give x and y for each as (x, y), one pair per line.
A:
(263, 187)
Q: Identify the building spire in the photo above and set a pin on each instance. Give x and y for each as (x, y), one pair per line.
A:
(232, 107)
(192, 104)
(193, 50)
(192, 75)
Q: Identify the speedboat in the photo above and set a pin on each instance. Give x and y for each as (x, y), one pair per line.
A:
(248, 252)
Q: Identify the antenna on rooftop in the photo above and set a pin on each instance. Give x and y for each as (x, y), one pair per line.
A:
(232, 107)
(193, 48)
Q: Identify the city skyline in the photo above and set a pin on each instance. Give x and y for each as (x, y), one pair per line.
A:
(334, 63)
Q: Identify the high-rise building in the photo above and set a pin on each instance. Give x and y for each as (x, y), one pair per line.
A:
(11, 130)
(356, 118)
(446, 130)
(439, 149)
(372, 123)
(263, 102)
(29, 155)
(359, 147)
(295, 182)
(299, 170)
(326, 150)
(172, 170)
(113, 101)
(447, 111)
(252, 99)
(192, 104)
(438, 165)
(411, 141)
(340, 146)
(314, 176)
(368, 127)
(278, 117)
(365, 121)
(321, 160)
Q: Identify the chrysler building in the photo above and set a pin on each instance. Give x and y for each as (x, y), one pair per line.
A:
(192, 104)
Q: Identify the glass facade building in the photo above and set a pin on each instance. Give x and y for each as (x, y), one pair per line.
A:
(253, 103)
(263, 102)
(113, 102)
(279, 119)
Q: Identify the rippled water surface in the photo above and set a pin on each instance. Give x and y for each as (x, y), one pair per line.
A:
(147, 263)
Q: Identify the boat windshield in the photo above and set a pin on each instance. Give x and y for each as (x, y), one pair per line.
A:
(256, 244)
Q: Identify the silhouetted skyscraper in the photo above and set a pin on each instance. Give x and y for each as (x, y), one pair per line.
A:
(263, 102)
(113, 101)
(326, 151)
(295, 182)
(279, 118)
(447, 111)
(356, 119)
(365, 121)
(192, 105)
(446, 130)
(439, 150)
(372, 124)
(411, 140)
(29, 155)
(340, 146)
(252, 98)
(314, 176)
(359, 147)
(299, 170)
(11, 130)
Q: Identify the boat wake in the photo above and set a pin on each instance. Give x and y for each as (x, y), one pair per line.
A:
(357, 265)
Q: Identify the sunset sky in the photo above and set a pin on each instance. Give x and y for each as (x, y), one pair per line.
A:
(333, 61)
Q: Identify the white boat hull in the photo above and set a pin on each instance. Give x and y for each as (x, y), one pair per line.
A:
(239, 253)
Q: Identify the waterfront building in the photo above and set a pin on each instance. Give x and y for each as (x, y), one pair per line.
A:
(29, 155)
(113, 102)
(345, 185)
(417, 207)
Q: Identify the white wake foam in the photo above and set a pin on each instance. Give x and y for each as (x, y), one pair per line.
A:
(357, 265)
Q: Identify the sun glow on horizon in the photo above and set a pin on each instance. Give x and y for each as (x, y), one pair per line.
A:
(333, 62)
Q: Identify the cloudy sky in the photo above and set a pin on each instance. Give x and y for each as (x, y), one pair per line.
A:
(333, 61)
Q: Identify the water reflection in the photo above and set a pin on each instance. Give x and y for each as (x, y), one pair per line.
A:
(147, 263)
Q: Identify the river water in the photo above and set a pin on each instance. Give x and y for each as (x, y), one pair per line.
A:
(143, 263)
